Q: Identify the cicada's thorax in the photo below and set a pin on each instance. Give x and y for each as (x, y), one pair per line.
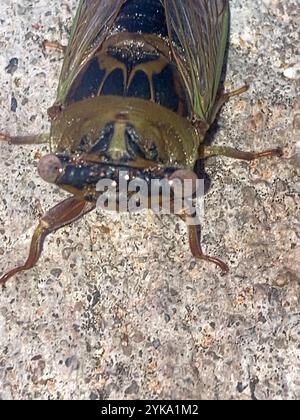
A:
(134, 61)
(128, 102)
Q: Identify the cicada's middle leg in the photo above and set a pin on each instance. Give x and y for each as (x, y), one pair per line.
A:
(24, 140)
(210, 151)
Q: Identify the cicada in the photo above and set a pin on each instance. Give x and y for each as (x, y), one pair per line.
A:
(138, 91)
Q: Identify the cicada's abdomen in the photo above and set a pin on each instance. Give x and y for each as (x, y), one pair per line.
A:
(134, 61)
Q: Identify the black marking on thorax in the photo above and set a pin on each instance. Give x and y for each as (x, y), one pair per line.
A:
(133, 68)
(142, 16)
(134, 146)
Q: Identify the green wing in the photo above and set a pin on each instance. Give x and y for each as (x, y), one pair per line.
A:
(92, 23)
(198, 30)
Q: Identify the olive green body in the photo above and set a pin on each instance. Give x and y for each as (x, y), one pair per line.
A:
(177, 140)
(137, 93)
(126, 101)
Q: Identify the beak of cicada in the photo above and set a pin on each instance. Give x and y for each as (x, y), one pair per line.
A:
(50, 168)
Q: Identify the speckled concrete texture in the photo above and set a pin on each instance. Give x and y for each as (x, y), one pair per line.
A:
(117, 307)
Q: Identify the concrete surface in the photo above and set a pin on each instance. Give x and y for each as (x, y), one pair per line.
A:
(117, 307)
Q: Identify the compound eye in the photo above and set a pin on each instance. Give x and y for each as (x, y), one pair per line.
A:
(184, 175)
(50, 168)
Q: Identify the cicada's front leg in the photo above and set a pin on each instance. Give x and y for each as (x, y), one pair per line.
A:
(194, 232)
(196, 249)
(61, 215)
(191, 218)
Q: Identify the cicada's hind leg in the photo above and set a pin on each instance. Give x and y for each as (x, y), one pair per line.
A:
(61, 215)
(223, 99)
(54, 45)
(53, 112)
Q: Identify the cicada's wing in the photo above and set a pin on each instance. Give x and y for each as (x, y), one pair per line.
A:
(199, 30)
(94, 19)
